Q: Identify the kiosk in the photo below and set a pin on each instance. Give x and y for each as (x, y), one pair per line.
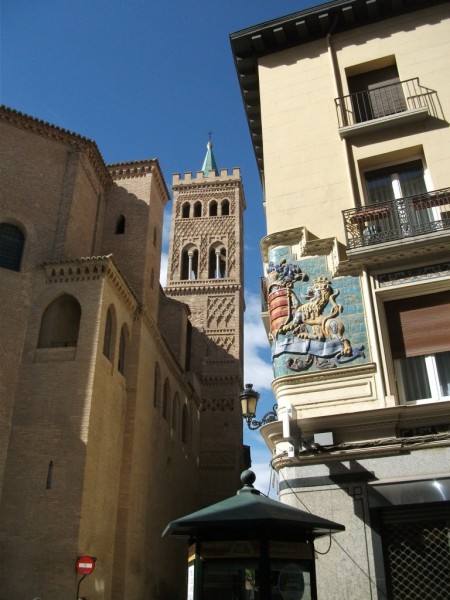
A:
(250, 547)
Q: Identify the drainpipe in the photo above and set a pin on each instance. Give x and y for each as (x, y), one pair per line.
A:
(351, 174)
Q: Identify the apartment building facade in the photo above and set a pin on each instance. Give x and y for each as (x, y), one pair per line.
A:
(103, 402)
(347, 105)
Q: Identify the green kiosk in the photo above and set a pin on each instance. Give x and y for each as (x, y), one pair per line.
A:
(250, 547)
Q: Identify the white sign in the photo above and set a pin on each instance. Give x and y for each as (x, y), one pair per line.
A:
(190, 586)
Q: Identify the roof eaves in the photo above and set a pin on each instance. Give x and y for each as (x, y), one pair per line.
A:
(294, 29)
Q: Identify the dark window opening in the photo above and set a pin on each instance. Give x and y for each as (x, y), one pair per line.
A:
(122, 351)
(189, 265)
(198, 209)
(376, 94)
(213, 209)
(108, 335)
(166, 400)
(217, 263)
(185, 210)
(120, 225)
(184, 424)
(12, 242)
(225, 208)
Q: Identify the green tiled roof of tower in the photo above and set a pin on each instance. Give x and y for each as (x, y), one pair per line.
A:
(209, 164)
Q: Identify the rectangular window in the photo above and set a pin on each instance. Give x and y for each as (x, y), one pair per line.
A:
(401, 196)
(396, 181)
(419, 334)
(376, 94)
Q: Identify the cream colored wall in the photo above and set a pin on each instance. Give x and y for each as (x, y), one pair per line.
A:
(420, 43)
(306, 175)
(304, 159)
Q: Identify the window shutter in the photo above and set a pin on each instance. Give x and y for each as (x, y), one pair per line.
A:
(420, 325)
(378, 93)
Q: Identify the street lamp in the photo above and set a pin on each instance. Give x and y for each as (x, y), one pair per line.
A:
(249, 399)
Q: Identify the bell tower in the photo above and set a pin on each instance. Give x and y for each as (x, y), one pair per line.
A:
(205, 271)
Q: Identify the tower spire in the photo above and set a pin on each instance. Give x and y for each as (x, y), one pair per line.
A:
(209, 164)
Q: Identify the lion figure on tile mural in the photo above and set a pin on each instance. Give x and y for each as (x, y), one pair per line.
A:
(311, 315)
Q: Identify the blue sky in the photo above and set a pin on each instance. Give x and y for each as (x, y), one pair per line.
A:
(149, 79)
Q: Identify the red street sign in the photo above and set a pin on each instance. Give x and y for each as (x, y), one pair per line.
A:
(85, 565)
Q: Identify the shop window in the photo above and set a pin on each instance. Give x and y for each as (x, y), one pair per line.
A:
(60, 323)
(416, 550)
(12, 242)
(422, 361)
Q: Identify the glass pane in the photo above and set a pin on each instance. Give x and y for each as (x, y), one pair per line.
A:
(379, 186)
(443, 369)
(230, 580)
(415, 378)
(411, 180)
(290, 580)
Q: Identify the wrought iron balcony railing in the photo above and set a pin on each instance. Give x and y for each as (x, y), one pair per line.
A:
(397, 219)
(386, 101)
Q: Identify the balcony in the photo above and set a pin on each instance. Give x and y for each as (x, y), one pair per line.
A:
(385, 106)
(400, 219)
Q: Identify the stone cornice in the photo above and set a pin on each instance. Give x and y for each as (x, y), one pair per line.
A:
(191, 288)
(92, 269)
(58, 134)
(140, 168)
(428, 247)
(319, 377)
(224, 178)
(368, 423)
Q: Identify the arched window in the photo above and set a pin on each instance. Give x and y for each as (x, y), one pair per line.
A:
(120, 225)
(60, 323)
(225, 208)
(213, 209)
(152, 278)
(185, 210)
(12, 241)
(122, 350)
(175, 410)
(198, 209)
(108, 337)
(217, 262)
(166, 400)
(184, 424)
(189, 263)
(157, 386)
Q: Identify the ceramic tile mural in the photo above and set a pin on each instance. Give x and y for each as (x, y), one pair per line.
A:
(316, 322)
